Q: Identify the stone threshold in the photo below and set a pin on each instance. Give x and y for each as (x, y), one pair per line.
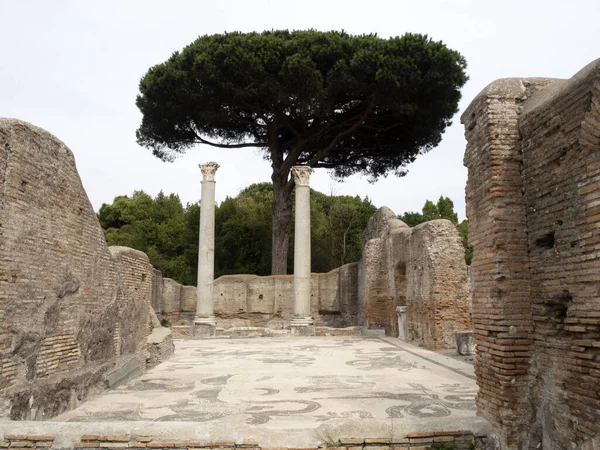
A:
(353, 434)
(462, 439)
(182, 331)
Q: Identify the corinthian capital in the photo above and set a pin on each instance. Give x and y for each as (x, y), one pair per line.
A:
(301, 175)
(208, 170)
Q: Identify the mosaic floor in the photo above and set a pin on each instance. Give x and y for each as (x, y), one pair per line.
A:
(290, 383)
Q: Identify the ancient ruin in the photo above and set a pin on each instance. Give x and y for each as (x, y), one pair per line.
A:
(420, 269)
(76, 315)
(302, 323)
(204, 321)
(80, 317)
(533, 204)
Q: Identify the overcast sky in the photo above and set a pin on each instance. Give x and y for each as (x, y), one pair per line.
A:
(73, 67)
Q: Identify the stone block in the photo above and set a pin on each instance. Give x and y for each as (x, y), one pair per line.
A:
(284, 294)
(157, 291)
(348, 289)
(160, 345)
(261, 295)
(303, 327)
(171, 292)
(125, 373)
(203, 330)
(465, 344)
(230, 294)
(315, 293)
(188, 298)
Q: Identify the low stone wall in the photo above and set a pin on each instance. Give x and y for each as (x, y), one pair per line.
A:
(254, 301)
(421, 268)
(72, 310)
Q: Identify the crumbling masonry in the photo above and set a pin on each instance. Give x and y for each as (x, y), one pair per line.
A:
(78, 316)
(420, 268)
(75, 316)
(533, 204)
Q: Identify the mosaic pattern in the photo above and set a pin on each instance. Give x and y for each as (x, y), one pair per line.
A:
(291, 383)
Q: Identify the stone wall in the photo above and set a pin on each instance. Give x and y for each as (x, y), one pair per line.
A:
(421, 268)
(254, 301)
(72, 311)
(533, 199)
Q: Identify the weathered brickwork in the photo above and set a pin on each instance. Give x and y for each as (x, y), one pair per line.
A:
(58, 353)
(422, 268)
(133, 321)
(71, 311)
(459, 439)
(532, 202)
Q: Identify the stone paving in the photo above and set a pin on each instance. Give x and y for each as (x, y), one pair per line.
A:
(291, 383)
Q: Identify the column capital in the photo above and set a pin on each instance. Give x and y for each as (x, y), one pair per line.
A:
(208, 170)
(301, 175)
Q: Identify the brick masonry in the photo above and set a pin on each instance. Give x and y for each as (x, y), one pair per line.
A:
(422, 268)
(461, 439)
(71, 309)
(532, 202)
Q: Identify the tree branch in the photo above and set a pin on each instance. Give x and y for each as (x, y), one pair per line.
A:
(342, 134)
(200, 140)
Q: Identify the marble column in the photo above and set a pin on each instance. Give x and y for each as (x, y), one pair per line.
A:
(204, 322)
(302, 323)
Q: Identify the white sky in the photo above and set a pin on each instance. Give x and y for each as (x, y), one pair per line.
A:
(73, 67)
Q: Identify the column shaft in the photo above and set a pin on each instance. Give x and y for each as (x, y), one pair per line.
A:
(302, 306)
(204, 325)
(206, 251)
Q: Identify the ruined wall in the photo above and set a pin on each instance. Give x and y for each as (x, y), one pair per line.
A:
(377, 302)
(532, 202)
(255, 301)
(133, 322)
(170, 301)
(422, 268)
(71, 311)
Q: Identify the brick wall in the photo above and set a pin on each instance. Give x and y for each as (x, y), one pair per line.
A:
(135, 280)
(532, 198)
(71, 312)
(458, 439)
(422, 268)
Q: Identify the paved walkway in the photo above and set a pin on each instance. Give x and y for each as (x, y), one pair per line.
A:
(292, 383)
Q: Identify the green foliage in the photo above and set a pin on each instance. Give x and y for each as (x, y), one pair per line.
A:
(168, 233)
(352, 104)
(412, 219)
(154, 226)
(463, 231)
(443, 446)
(337, 226)
(243, 232)
(443, 209)
(390, 98)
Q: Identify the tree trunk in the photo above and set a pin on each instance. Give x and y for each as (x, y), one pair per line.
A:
(282, 216)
